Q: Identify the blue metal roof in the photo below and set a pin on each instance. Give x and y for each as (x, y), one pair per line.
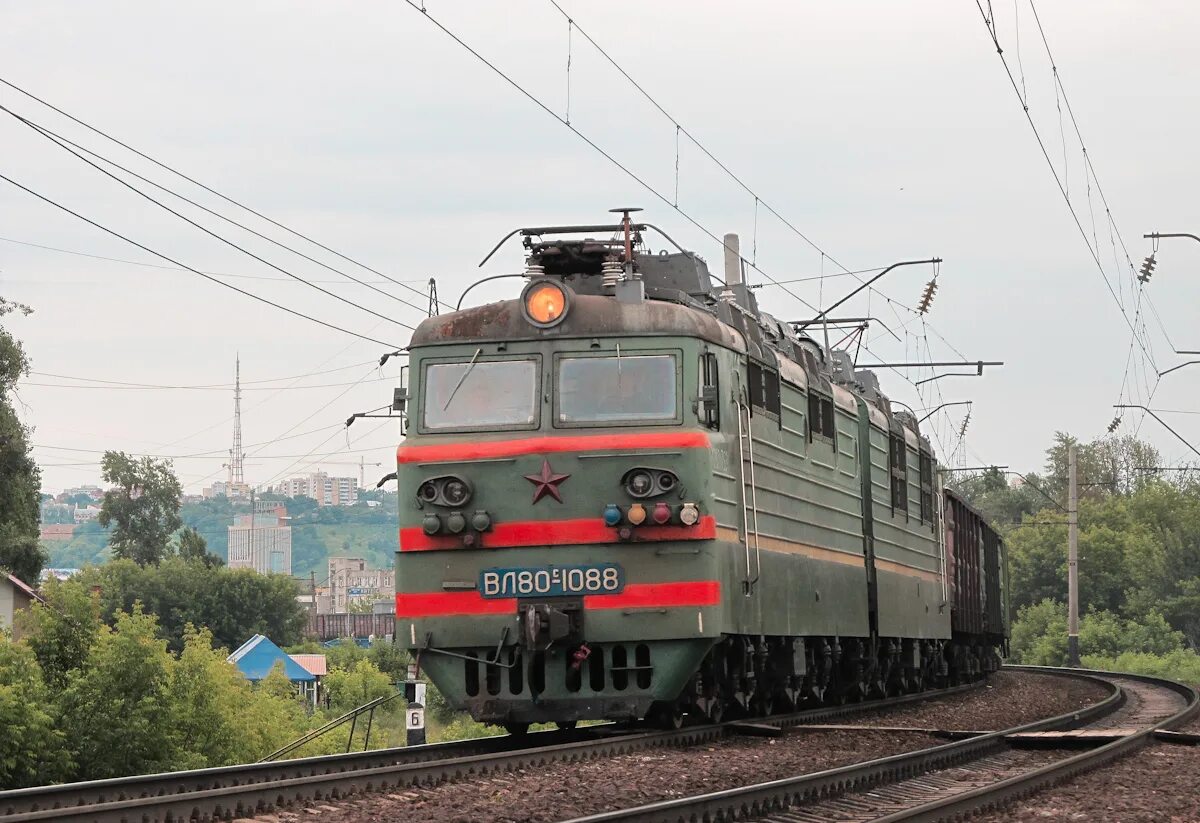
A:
(257, 656)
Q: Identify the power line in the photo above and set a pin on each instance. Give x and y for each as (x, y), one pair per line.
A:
(989, 24)
(629, 172)
(173, 268)
(132, 242)
(66, 144)
(108, 385)
(758, 199)
(208, 189)
(212, 385)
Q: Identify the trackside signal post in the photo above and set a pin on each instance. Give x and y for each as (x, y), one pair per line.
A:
(414, 714)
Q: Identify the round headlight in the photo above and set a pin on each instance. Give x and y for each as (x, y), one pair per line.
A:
(544, 303)
(456, 492)
(428, 491)
(666, 481)
(639, 484)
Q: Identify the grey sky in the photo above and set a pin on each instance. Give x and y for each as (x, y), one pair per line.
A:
(883, 131)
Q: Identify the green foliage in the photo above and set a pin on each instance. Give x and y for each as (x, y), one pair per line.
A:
(191, 546)
(1182, 664)
(143, 506)
(61, 632)
(32, 749)
(20, 480)
(116, 710)
(88, 546)
(349, 688)
(1039, 635)
(232, 604)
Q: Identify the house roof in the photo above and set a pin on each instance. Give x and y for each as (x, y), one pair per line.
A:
(20, 584)
(257, 656)
(313, 663)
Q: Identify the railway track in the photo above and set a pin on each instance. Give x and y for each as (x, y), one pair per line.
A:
(951, 781)
(235, 791)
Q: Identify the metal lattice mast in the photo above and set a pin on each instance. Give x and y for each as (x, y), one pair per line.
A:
(235, 454)
(433, 298)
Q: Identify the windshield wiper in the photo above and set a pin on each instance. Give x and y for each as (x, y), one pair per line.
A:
(462, 379)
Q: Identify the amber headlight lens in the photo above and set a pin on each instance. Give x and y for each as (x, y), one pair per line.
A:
(545, 303)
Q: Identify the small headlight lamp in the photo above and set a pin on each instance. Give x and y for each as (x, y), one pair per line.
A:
(545, 303)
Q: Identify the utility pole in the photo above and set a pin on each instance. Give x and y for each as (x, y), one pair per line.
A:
(313, 579)
(1072, 562)
(252, 559)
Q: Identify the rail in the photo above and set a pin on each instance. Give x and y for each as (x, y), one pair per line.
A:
(228, 791)
(789, 796)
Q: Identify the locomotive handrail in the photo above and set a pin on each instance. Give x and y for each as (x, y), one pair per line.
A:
(752, 510)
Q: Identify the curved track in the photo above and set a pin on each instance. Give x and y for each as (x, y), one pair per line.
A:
(944, 782)
(233, 791)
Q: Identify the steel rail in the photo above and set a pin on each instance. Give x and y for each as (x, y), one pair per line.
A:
(222, 792)
(762, 799)
(1005, 792)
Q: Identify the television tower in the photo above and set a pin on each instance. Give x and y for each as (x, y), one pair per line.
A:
(235, 454)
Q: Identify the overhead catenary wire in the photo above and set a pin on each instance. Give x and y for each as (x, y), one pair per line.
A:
(758, 199)
(209, 189)
(149, 250)
(173, 268)
(664, 199)
(107, 386)
(207, 385)
(989, 24)
(66, 145)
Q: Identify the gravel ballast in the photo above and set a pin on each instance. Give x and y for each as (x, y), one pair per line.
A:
(562, 790)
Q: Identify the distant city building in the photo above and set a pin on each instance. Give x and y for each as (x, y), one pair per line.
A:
(58, 574)
(223, 488)
(261, 541)
(351, 581)
(84, 514)
(94, 492)
(57, 531)
(326, 490)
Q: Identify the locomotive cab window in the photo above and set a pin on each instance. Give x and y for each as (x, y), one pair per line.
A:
(626, 389)
(821, 420)
(898, 464)
(480, 395)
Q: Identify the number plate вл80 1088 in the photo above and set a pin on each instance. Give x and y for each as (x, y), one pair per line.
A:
(552, 581)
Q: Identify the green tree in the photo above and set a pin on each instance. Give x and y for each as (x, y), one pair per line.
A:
(231, 603)
(117, 710)
(192, 546)
(143, 506)
(62, 631)
(32, 750)
(20, 480)
(356, 686)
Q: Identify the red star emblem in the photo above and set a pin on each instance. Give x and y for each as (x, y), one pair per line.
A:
(546, 483)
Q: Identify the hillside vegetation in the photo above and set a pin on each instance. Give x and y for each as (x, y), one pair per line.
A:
(1139, 558)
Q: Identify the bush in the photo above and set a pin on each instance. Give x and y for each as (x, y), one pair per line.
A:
(1182, 664)
(1039, 635)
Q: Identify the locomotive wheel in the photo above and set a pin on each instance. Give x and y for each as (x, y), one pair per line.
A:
(666, 716)
(516, 728)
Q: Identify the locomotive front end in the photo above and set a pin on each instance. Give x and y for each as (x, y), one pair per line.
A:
(556, 554)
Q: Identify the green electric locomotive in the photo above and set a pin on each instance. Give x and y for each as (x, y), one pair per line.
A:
(630, 493)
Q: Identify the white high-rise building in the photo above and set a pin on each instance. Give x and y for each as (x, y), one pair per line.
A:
(261, 542)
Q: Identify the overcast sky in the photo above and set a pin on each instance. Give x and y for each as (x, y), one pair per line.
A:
(883, 131)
